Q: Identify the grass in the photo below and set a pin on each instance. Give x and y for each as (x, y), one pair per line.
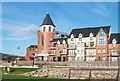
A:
(9, 77)
(21, 70)
(14, 76)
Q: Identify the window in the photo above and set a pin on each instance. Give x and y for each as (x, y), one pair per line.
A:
(99, 51)
(71, 39)
(43, 29)
(78, 58)
(54, 51)
(64, 51)
(42, 41)
(91, 44)
(33, 54)
(53, 30)
(72, 45)
(80, 39)
(82, 59)
(99, 58)
(91, 38)
(71, 52)
(103, 51)
(78, 51)
(114, 52)
(101, 38)
(49, 29)
(91, 52)
(78, 44)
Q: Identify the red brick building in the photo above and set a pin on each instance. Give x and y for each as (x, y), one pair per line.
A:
(82, 44)
(31, 52)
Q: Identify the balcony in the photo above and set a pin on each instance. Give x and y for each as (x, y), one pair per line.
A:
(90, 54)
(52, 47)
(114, 55)
(72, 55)
(72, 47)
(87, 47)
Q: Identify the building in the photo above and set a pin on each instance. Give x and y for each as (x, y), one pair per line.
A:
(82, 44)
(89, 44)
(31, 52)
(114, 46)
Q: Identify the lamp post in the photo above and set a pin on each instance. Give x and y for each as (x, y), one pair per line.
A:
(18, 53)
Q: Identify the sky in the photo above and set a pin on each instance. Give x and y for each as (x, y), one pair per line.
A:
(21, 20)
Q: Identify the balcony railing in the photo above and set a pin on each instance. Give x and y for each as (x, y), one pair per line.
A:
(72, 47)
(52, 47)
(114, 54)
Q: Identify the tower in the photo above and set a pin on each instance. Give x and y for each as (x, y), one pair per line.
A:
(45, 34)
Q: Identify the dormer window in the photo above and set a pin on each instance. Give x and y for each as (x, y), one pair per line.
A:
(43, 29)
(91, 36)
(49, 29)
(113, 42)
(64, 42)
(72, 37)
(80, 37)
(58, 42)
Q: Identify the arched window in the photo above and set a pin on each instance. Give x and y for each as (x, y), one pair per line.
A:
(49, 29)
(43, 29)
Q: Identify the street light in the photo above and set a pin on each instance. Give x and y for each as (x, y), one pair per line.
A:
(18, 53)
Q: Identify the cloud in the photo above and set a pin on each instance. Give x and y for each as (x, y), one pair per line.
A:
(101, 10)
(20, 33)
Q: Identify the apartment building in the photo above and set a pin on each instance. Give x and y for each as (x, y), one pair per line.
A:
(82, 44)
(114, 46)
(89, 44)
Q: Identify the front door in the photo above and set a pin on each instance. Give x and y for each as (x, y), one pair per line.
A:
(59, 58)
(63, 59)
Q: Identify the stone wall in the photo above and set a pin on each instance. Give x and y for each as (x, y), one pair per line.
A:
(59, 72)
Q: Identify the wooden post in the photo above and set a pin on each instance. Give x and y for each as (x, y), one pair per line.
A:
(69, 74)
(118, 78)
(90, 75)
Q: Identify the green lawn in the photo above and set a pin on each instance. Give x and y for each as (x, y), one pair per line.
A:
(21, 70)
(9, 77)
(14, 76)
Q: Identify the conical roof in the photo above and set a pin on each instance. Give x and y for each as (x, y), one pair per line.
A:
(47, 20)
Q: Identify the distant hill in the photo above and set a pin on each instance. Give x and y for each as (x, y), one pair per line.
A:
(8, 57)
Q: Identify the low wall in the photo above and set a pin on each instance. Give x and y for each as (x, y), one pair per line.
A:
(75, 73)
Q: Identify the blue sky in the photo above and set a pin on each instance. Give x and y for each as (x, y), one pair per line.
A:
(21, 20)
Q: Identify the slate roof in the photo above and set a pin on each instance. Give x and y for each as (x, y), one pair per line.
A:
(115, 36)
(60, 39)
(32, 46)
(86, 31)
(47, 20)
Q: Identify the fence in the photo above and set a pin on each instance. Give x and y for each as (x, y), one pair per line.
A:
(96, 69)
